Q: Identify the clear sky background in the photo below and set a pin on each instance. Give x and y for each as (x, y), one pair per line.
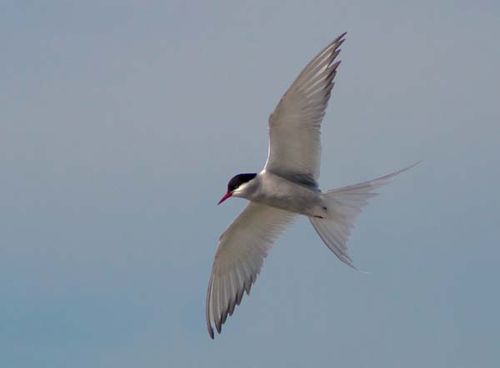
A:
(122, 121)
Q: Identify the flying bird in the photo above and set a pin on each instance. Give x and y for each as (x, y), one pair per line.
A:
(286, 187)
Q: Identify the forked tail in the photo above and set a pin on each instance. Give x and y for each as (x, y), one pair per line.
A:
(344, 206)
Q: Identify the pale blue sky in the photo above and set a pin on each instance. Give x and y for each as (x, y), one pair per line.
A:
(121, 122)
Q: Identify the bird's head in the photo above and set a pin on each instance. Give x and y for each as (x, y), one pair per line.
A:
(237, 185)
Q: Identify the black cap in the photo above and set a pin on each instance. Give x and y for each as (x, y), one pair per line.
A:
(239, 179)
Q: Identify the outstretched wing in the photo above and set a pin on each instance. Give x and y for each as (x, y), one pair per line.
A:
(295, 124)
(239, 257)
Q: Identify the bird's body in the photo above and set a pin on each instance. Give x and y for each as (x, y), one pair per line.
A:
(285, 188)
(294, 196)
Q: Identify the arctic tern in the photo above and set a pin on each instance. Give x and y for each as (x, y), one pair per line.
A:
(286, 187)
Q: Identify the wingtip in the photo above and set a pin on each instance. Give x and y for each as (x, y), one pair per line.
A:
(211, 332)
(342, 36)
(337, 42)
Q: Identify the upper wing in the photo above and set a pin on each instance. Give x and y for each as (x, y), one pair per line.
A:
(239, 257)
(295, 124)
